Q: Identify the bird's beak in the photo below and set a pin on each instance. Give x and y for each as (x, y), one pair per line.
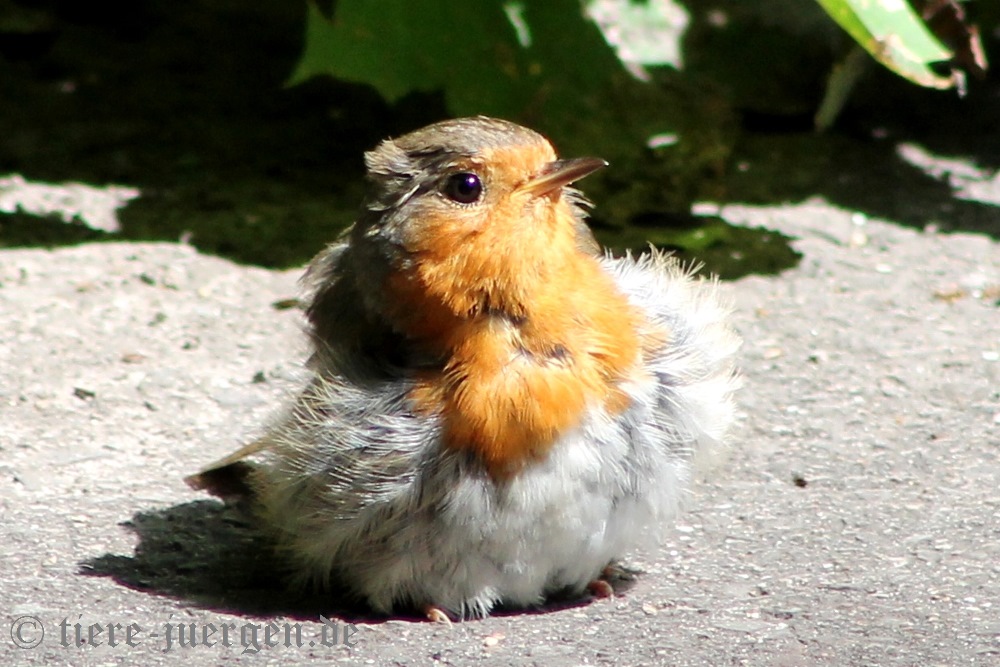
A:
(562, 172)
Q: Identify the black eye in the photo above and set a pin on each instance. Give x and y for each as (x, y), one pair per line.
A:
(465, 187)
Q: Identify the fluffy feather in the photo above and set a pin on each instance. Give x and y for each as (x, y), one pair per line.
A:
(496, 412)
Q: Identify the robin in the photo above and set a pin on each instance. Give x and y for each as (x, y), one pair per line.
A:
(497, 411)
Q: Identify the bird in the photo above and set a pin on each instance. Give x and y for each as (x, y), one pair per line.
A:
(496, 410)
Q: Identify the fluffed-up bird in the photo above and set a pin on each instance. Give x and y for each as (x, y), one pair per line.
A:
(497, 411)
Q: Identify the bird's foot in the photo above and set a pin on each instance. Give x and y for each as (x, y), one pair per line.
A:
(600, 588)
(436, 615)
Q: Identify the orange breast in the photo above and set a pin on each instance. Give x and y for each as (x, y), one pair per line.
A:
(513, 385)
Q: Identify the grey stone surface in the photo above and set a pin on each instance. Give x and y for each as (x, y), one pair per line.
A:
(856, 520)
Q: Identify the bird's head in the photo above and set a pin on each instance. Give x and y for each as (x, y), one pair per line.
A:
(469, 216)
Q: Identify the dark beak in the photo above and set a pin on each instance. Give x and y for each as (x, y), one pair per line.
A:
(561, 173)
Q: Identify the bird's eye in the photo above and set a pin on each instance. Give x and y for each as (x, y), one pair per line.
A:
(464, 187)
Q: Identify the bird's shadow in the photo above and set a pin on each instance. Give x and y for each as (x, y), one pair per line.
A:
(207, 554)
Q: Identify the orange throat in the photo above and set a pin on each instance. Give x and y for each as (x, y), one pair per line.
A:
(522, 372)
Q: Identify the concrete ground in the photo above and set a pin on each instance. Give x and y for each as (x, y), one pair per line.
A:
(855, 522)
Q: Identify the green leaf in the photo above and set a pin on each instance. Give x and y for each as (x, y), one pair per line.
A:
(391, 45)
(839, 86)
(893, 33)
